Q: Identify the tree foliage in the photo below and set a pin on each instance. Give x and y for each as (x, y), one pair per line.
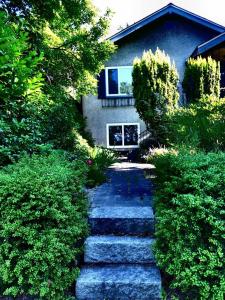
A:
(22, 102)
(201, 78)
(155, 81)
(70, 34)
(51, 52)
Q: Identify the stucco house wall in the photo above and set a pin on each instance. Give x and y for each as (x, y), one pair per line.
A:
(177, 36)
(98, 118)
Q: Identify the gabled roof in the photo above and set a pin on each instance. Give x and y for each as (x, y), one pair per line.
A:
(209, 44)
(166, 10)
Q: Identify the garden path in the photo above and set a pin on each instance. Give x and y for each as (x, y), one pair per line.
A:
(119, 263)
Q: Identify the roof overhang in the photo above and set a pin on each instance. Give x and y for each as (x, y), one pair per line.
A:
(207, 46)
(167, 10)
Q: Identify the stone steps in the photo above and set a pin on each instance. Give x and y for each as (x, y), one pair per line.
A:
(118, 258)
(122, 220)
(119, 282)
(118, 249)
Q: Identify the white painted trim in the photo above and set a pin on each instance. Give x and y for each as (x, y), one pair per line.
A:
(107, 80)
(123, 146)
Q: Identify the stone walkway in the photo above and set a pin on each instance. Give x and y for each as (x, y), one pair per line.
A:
(119, 263)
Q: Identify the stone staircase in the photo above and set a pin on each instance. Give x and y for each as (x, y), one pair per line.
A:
(119, 263)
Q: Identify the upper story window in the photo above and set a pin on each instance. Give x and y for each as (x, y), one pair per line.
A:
(119, 81)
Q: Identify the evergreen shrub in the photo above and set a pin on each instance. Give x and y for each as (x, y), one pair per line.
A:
(155, 80)
(201, 78)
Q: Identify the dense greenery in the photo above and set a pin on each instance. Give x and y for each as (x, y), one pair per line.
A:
(69, 33)
(201, 78)
(190, 198)
(43, 223)
(51, 52)
(200, 125)
(22, 103)
(155, 81)
(190, 214)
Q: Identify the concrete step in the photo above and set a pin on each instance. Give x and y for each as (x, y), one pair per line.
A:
(122, 282)
(122, 220)
(118, 249)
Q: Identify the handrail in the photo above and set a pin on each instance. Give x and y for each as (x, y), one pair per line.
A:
(144, 135)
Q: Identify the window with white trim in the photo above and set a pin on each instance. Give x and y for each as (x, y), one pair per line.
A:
(119, 81)
(123, 135)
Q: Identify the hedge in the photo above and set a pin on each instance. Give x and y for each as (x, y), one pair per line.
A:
(190, 222)
(42, 225)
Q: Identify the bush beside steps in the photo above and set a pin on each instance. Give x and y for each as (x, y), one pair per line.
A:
(190, 222)
(42, 226)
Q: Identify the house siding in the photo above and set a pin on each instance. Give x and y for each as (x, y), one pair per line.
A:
(175, 35)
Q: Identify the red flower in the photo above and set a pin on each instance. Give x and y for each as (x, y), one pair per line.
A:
(89, 162)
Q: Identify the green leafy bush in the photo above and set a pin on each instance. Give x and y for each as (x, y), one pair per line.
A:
(201, 78)
(100, 159)
(190, 227)
(42, 226)
(200, 125)
(155, 81)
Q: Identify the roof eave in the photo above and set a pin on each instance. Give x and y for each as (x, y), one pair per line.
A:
(169, 9)
(203, 48)
(138, 25)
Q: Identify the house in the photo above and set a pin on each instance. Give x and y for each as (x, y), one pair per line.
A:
(111, 116)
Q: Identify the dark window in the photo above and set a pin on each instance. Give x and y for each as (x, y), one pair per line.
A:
(113, 81)
(125, 135)
(130, 135)
(115, 136)
(101, 85)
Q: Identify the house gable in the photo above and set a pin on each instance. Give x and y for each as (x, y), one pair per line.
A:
(176, 35)
(165, 11)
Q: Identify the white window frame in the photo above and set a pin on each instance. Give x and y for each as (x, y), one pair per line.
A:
(107, 80)
(122, 146)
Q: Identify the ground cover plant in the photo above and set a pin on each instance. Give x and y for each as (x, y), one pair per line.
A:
(98, 159)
